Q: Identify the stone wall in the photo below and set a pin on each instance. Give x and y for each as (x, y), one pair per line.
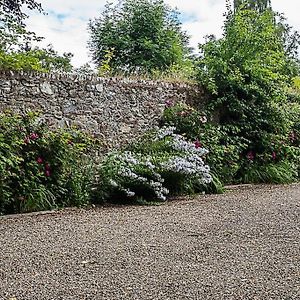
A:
(117, 110)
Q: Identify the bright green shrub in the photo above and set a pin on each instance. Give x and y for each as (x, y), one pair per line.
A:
(20, 61)
(40, 60)
(41, 169)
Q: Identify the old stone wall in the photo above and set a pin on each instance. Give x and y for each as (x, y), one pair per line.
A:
(117, 110)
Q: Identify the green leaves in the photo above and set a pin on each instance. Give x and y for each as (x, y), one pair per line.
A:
(41, 169)
(248, 73)
(42, 60)
(145, 36)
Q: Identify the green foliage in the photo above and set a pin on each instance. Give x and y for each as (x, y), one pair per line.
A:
(41, 169)
(16, 52)
(85, 69)
(248, 73)
(41, 60)
(51, 61)
(13, 9)
(224, 148)
(231, 156)
(145, 36)
(281, 173)
(20, 61)
(105, 67)
(259, 5)
(12, 26)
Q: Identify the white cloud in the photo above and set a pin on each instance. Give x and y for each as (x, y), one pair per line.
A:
(65, 26)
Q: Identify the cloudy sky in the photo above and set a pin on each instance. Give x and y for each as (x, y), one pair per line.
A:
(65, 25)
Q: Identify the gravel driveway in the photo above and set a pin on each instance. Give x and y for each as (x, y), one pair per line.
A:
(241, 245)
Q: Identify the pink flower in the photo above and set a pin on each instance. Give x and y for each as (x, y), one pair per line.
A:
(47, 173)
(47, 166)
(39, 160)
(273, 155)
(250, 155)
(197, 144)
(33, 136)
(182, 113)
(169, 103)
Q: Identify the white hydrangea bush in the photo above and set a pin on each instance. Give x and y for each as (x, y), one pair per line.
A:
(152, 169)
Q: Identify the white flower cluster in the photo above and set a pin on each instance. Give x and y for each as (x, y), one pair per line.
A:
(190, 161)
(180, 144)
(126, 174)
(146, 170)
(164, 132)
(190, 166)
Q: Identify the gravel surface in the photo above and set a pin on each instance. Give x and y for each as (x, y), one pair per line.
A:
(241, 245)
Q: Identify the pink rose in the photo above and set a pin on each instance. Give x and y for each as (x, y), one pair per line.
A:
(197, 144)
(39, 160)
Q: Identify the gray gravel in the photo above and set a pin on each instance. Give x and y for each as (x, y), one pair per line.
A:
(241, 245)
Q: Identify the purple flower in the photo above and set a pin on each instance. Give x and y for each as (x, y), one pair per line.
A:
(274, 155)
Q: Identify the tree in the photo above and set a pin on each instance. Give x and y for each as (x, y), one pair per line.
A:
(259, 5)
(12, 27)
(16, 51)
(247, 72)
(142, 35)
(50, 60)
(13, 9)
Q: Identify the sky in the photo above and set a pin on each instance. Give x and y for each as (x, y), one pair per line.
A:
(65, 25)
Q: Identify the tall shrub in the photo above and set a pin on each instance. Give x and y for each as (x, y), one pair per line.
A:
(247, 73)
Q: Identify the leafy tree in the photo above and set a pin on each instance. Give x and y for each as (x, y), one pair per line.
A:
(15, 42)
(85, 69)
(12, 27)
(50, 60)
(290, 38)
(247, 72)
(13, 9)
(142, 36)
